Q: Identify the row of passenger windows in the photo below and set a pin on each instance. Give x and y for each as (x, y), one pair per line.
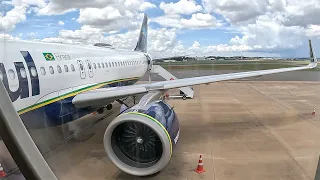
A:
(115, 64)
(33, 70)
(95, 66)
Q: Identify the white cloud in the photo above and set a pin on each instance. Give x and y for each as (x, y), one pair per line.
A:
(172, 20)
(269, 33)
(39, 3)
(237, 11)
(84, 35)
(12, 17)
(110, 18)
(8, 36)
(146, 5)
(93, 16)
(55, 7)
(109, 15)
(313, 31)
(278, 5)
(161, 42)
(31, 35)
(195, 46)
(302, 13)
(228, 48)
(197, 21)
(181, 7)
(61, 23)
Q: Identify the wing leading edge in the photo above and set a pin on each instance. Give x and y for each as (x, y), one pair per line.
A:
(91, 97)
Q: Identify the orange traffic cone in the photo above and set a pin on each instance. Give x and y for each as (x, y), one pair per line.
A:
(200, 168)
(2, 173)
(314, 111)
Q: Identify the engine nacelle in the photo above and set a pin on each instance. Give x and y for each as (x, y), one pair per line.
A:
(140, 141)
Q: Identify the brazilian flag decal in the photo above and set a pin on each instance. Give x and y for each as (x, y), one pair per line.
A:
(48, 56)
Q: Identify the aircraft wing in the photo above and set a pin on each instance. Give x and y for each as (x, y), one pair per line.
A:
(91, 97)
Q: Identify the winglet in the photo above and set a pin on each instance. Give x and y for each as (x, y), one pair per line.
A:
(313, 59)
(142, 42)
(312, 56)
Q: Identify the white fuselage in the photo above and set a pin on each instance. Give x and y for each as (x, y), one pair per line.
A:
(61, 71)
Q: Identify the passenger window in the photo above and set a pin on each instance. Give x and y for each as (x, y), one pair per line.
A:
(112, 64)
(59, 69)
(119, 64)
(89, 65)
(43, 71)
(106, 65)
(23, 73)
(72, 68)
(11, 74)
(66, 68)
(81, 67)
(33, 71)
(94, 65)
(99, 65)
(102, 65)
(109, 64)
(115, 63)
(51, 69)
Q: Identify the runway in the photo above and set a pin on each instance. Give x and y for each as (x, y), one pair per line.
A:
(243, 129)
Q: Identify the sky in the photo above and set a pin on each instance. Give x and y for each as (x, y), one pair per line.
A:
(273, 28)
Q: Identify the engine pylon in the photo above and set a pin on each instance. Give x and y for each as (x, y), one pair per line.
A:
(200, 169)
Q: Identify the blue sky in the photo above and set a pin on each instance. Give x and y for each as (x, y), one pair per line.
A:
(195, 27)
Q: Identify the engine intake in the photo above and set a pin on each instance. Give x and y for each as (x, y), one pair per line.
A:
(140, 141)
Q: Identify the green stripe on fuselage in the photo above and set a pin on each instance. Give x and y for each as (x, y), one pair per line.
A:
(70, 94)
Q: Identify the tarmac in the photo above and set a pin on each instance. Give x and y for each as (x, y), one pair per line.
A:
(244, 130)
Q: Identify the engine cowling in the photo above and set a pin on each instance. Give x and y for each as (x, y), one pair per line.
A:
(140, 141)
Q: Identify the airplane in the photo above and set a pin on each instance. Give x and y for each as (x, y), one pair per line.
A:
(52, 84)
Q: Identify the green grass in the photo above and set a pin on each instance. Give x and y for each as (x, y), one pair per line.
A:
(234, 65)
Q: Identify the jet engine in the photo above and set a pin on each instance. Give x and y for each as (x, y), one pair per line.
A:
(140, 140)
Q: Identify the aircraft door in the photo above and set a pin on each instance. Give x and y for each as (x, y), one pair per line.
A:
(90, 69)
(81, 68)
